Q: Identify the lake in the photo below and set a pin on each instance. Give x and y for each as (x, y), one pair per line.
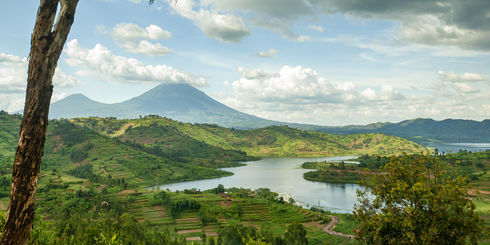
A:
(283, 175)
(455, 147)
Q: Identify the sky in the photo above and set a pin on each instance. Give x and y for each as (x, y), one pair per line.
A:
(325, 62)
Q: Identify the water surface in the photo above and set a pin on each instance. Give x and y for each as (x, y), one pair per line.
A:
(455, 147)
(283, 175)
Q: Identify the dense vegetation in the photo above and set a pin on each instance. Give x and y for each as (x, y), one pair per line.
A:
(416, 201)
(472, 165)
(93, 170)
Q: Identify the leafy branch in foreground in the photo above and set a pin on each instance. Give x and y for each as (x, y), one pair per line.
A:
(415, 201)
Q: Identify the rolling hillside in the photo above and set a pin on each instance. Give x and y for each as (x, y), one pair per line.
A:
(154, 150)
(154, 131)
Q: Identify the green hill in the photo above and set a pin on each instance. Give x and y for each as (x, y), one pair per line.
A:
(84, 153)
(166, 134)
(155, 150)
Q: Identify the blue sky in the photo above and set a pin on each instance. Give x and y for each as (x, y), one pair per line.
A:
(327, 62)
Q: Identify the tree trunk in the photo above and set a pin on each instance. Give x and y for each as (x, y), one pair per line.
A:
(46, 45)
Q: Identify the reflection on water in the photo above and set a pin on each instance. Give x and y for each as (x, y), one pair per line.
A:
(283, 175)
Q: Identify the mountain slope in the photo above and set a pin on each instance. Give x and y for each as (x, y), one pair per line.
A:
(423, 130)
(181, 102)
(78, 105)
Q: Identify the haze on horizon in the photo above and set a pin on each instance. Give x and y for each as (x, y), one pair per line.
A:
(326, 62)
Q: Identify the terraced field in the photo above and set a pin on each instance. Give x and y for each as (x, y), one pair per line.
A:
(254, 212)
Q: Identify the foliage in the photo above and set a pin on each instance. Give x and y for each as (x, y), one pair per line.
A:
(296, 235)
(83, 171)
(219, 189)
(416, 202)
(78, 155)
(333, 176)
(373, 162)
(176, 206)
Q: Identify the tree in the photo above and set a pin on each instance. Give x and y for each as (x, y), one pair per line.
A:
(296, 234)
(46, 45)
(416, 202)
(219, 189)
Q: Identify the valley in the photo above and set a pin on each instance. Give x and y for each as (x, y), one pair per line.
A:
(130, 164)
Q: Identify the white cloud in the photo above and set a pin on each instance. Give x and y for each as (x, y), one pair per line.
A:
(316, 28)
(369, 94)
(437, 23)
(389, 93)
(145, 47)
(454, 77)
(133, 32)
(431, 30)
(134, 38)
(13, 82)
(268, 54)
(464, 88)
(299, 94)
(298, 85)
(275, 15)
(13, 75)
(223, 27)
(101, 62)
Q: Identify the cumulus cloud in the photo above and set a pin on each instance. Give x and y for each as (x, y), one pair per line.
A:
(456, 23)
(13, 82)
(454, 77)
(101, 62)
(223, 27)
(292, 85)
(268, 53)
(464, 88)
(452, 84)
(134, 38)
(13, 75)
(275, 15)
(300, 94)
(133, 32)
(446, 22)
(431, 30)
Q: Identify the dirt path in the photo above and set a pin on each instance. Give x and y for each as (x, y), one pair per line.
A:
(122, 130)
(328, 228)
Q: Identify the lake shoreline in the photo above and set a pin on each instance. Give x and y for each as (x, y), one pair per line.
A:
(281, 175)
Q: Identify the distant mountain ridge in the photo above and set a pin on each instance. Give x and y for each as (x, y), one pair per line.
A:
(424, 130)
(180, 102)
(185, 103)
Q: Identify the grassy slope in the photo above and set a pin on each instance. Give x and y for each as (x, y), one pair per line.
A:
(270, 141)
(109, 157)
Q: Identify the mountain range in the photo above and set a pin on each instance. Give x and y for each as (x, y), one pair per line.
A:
(180, 102)
(185, 103)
